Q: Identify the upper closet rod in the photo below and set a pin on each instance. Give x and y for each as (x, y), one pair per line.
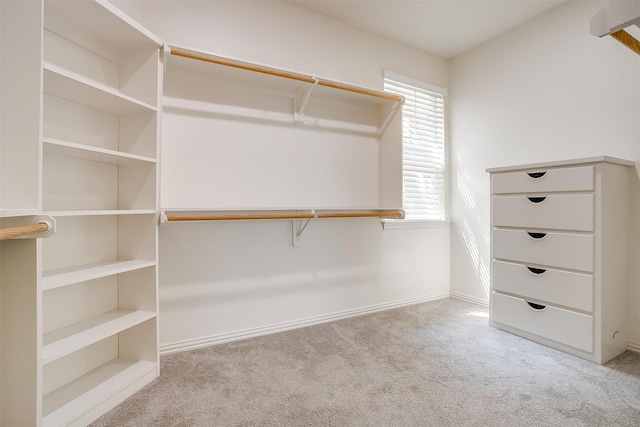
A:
(14, 232)
(612, 20)
(627, 39)
(284, 74)
(225, 217)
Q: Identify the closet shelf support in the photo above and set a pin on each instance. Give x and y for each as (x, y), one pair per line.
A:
(303, 95)
(298, 226)
(390, 115)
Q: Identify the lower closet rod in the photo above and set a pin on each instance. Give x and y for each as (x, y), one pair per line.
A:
(381, 214)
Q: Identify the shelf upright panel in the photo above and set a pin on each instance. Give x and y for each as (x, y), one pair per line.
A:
(20, 132)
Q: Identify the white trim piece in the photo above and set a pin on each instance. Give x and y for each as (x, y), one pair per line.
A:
(587, 160)
(469, 298)
(633, 346)
(209, 341)
(402, 224)
(414, 82)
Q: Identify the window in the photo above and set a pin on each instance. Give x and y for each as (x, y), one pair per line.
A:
(423, 151)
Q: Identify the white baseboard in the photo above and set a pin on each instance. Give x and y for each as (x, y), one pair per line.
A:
(286, 326)
(467, 298)
(633, 346)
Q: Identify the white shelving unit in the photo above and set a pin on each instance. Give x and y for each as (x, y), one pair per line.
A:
(88, 294)
(82, 92)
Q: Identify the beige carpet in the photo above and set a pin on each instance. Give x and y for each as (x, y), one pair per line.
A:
(433, 364)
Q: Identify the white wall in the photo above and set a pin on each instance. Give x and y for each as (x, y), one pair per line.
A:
(225, 281)
(221, 281)
(286, 36)
(546, 90)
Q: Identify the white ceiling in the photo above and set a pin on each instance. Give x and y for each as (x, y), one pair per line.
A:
(441, 27)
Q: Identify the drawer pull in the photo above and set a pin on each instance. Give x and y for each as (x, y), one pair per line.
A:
(536, 199)
(536, 236)
(537, 271)
(536, 307)
(536, 175)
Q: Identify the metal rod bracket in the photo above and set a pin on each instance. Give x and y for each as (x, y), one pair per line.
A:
(298, 227)
(303, 93)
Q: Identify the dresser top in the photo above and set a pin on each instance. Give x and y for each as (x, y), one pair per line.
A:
(587, 160)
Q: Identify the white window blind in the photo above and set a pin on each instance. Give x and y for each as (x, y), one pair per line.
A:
(423, 151)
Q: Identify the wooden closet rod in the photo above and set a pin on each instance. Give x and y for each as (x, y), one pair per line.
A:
(383, 214)
(226, 217)
(628, 40)
(285, 74)
(13, 232)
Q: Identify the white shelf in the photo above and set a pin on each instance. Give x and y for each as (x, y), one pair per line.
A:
(245, 74)
(61, 342)
(59, 278)
(77, 88)
(80, 396)
(10, 213)
(106, 22)
(101, 212)
(79, 151)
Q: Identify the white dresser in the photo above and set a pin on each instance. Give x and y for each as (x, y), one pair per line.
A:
(559, 268)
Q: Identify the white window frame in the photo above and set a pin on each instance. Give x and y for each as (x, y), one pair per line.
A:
(436, 135)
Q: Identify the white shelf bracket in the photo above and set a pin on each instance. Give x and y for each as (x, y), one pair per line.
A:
(298, 226)
(392, 113)
(163, 217)
(302, 97)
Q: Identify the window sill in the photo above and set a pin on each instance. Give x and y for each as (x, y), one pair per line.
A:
(403, 224)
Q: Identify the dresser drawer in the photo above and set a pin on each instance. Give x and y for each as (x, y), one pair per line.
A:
(564, 326)
(564, 250)
(544, 181)
(569, 289)
(560, 211)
